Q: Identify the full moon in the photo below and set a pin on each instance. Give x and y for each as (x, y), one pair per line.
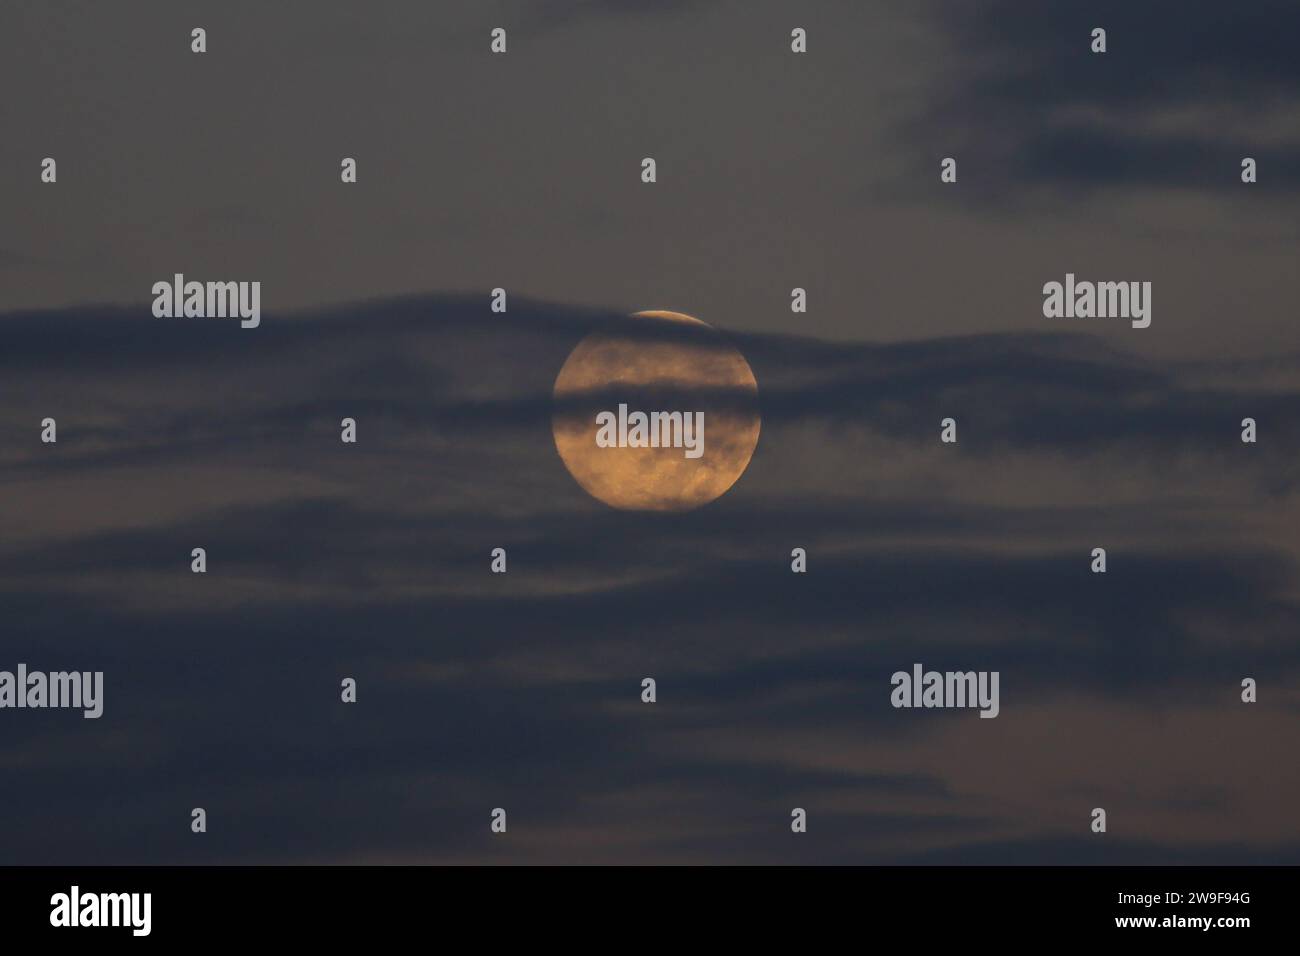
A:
(697, 401)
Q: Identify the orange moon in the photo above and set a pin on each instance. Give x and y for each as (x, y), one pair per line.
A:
(656, 362)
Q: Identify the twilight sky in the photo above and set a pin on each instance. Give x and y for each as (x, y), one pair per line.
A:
(478, 171)
(522, 691)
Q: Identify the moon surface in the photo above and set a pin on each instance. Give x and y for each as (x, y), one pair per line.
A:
(656, 362)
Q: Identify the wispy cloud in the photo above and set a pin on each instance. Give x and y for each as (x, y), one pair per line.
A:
(478, 690)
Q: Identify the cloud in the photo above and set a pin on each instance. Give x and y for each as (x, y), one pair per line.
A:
(1181, 95)
(479, 690)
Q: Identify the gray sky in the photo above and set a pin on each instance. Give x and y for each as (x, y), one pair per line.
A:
(775, 170)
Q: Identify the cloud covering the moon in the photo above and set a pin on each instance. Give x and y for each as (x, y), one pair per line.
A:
(657, 362)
